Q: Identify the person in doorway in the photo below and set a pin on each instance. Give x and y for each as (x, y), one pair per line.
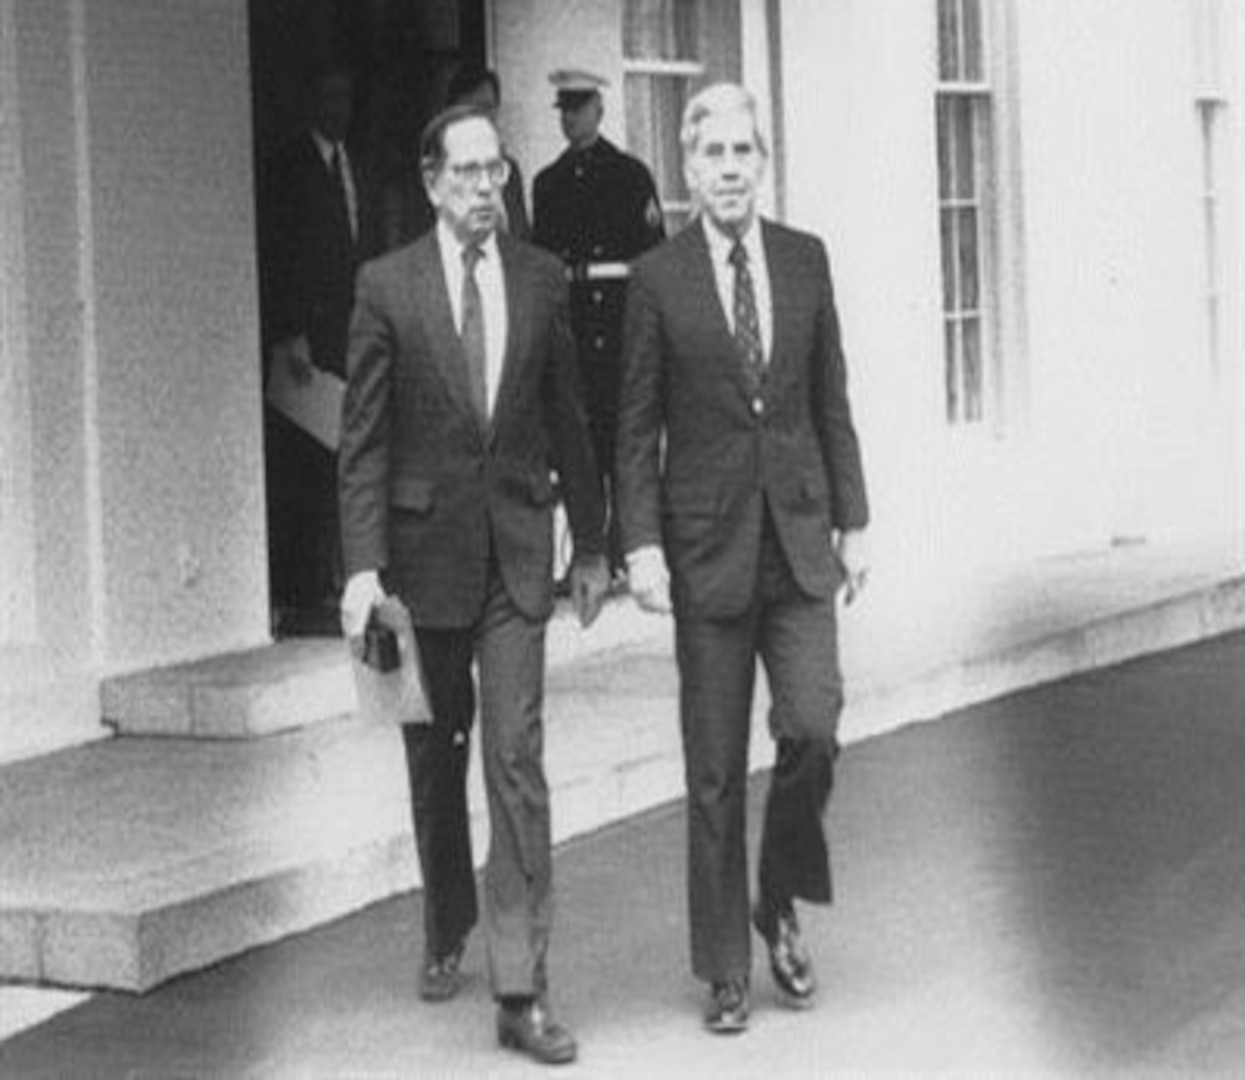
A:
(743, 509)
(474, 84)
(462, 390)
(317, 224)
(596, 208)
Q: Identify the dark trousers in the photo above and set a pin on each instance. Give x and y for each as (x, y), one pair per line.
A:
(304, 549)
(795, 637)
(509, 651)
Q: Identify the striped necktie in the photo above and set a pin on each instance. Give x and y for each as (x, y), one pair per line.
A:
(747, 324)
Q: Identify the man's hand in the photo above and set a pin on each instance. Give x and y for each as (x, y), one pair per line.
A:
(649, 579)
(590, 580)
(295, 354)
(363, 592)
(852, 550)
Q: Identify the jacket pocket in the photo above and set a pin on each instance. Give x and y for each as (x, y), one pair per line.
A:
(412, 493)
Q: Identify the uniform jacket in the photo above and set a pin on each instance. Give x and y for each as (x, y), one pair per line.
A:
(424, 482)
(730, 447)
(595, 205)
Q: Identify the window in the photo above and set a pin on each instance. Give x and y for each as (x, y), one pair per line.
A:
(671, 48)
(964, 102)
(1211, 108)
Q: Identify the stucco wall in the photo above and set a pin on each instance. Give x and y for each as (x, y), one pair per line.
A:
(136, 278)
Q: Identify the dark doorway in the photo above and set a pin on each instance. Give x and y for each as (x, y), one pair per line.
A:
(400, 55)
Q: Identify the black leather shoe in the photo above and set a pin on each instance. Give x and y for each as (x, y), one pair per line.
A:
(440, 979)
(531, 1030)
(728, 1007)
(788, 959)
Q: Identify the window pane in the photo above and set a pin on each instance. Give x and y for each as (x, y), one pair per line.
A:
(654, 109)
(967, 262)
(971, 341)
(951, 370)
(948, 261)
(661, 29)
(945, 186)
(948, 40)
(974, 68)
(964, 144)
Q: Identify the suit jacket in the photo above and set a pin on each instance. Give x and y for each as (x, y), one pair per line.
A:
(309, 257)
(731, 448)
(426, 486)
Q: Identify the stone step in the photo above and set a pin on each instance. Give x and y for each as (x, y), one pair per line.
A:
(131, 860)
(301, 681)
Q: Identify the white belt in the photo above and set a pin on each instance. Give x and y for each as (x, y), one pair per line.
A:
(599, 271)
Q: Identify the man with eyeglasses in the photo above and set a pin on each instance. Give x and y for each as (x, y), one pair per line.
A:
(462, 390)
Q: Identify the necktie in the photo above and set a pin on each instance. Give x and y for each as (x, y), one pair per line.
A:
(747, 324)
(472, 331)
(337, 173)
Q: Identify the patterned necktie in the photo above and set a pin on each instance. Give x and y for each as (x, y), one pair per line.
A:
(747, 325)
(472, 332)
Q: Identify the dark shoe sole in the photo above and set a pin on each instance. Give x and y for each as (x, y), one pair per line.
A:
(510, 1040)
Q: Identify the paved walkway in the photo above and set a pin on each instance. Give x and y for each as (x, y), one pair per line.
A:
(1048, 883)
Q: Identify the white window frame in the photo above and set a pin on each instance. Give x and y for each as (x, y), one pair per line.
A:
(1211, 108)
(971, 398)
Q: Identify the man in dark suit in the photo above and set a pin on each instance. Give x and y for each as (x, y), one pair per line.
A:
(743, 507)
(462, 392)
(317, 224)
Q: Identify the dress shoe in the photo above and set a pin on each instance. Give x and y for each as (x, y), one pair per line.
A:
(531, 1030)
(788, 959)
(728, 1007)
(440, 978)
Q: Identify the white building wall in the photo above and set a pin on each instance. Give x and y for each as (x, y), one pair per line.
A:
(1116, 425)
(1128, 403)
(133, 353)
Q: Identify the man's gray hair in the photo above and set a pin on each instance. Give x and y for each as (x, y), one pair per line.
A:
(723, 97)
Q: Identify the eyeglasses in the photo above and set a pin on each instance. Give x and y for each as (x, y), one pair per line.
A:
(497, 172)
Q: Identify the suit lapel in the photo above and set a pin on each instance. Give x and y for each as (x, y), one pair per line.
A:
(517, 316)
(433, 299)
(781, 300)
(701, 278)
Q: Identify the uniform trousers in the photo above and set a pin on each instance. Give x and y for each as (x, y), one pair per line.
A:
(508, 649)
(795, 637)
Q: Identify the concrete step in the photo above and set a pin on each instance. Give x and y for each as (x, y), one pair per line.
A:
(128, 861)
(300, 681)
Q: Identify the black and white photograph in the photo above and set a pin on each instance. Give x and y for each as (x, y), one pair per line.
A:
(670, 538)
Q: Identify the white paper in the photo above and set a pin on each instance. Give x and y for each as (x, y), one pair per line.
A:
(314, 405)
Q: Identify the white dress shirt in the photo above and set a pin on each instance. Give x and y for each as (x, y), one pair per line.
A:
(326, 148)
(492, 285)
(720, 246)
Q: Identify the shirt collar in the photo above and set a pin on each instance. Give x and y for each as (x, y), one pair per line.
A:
(451, 245)
(326, 146)
(720, 245)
